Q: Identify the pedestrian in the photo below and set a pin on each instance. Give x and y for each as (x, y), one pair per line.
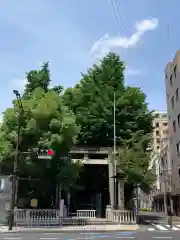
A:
(170, 214)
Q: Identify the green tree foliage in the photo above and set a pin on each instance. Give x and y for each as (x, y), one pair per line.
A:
(92, 101)
(45, 123)
(134, 160)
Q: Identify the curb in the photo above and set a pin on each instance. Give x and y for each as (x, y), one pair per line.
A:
(70, 230)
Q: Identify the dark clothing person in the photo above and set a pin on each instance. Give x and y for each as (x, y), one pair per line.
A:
(170, 214)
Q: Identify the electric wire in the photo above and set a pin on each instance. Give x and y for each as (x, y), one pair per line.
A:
(118, 15)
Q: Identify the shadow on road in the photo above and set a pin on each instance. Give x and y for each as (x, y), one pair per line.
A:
(146, 218)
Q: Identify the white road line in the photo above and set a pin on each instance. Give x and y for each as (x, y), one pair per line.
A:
(161, 227)
(9, 234)
(173, 228)
(178, 226)
(125, 237)
(151, 229)
(11, 238)
(162, 237)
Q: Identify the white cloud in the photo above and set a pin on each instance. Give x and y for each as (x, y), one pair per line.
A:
(106, 43)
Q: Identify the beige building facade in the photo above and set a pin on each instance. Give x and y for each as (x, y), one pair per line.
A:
(172, 81)
(160, 159)
(160, 124)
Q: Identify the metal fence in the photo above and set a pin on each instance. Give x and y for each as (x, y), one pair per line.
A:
(86, 213)
(31, 218)
(51, 218)
(121, 216)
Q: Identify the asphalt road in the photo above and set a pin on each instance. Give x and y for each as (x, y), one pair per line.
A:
(137, 235)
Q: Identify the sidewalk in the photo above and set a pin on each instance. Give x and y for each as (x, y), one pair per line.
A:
(88, 228)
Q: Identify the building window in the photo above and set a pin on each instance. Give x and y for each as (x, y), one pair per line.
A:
(178, 148)
(157, 147)
(157, 140)
(172, 102)
(165, 124)
(157, 133)
(174, 126)
(177, 94)
(157, 124)
(175, 69)
(170, 80)
(178, 118)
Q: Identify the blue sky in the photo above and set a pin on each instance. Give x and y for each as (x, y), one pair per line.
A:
(73, 34)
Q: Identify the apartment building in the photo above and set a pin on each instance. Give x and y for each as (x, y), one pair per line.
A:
(160, 133)
(172, 81)
(160, 159)
(160, 124)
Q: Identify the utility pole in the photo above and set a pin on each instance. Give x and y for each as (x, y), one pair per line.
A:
(15, 167)
(165, 194)
(115, 167)
(165, 186)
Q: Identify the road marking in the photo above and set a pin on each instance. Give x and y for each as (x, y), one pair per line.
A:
(125, 237)
(151, 229)
(161, 237)
(161, 227)
(173, 227)
(11, 238)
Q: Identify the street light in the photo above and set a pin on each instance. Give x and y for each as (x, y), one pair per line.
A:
(14, 178)
(114, 152)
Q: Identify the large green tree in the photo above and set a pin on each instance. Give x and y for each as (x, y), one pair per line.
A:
(92, 100)
(134, 160)
(45, 123)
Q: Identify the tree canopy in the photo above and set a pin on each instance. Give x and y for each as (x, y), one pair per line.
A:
(45, 123)
(92, 101)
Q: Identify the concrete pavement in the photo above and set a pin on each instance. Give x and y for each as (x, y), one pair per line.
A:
(136, 235)
(86, 228)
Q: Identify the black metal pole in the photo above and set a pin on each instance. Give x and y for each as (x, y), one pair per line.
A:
(137, 204)
(14, 178)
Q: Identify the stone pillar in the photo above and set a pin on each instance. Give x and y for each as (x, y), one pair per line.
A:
(111, 180)
(120, 194)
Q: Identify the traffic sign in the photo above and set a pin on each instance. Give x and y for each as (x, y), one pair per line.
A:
(50, 152)
(45, 154)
